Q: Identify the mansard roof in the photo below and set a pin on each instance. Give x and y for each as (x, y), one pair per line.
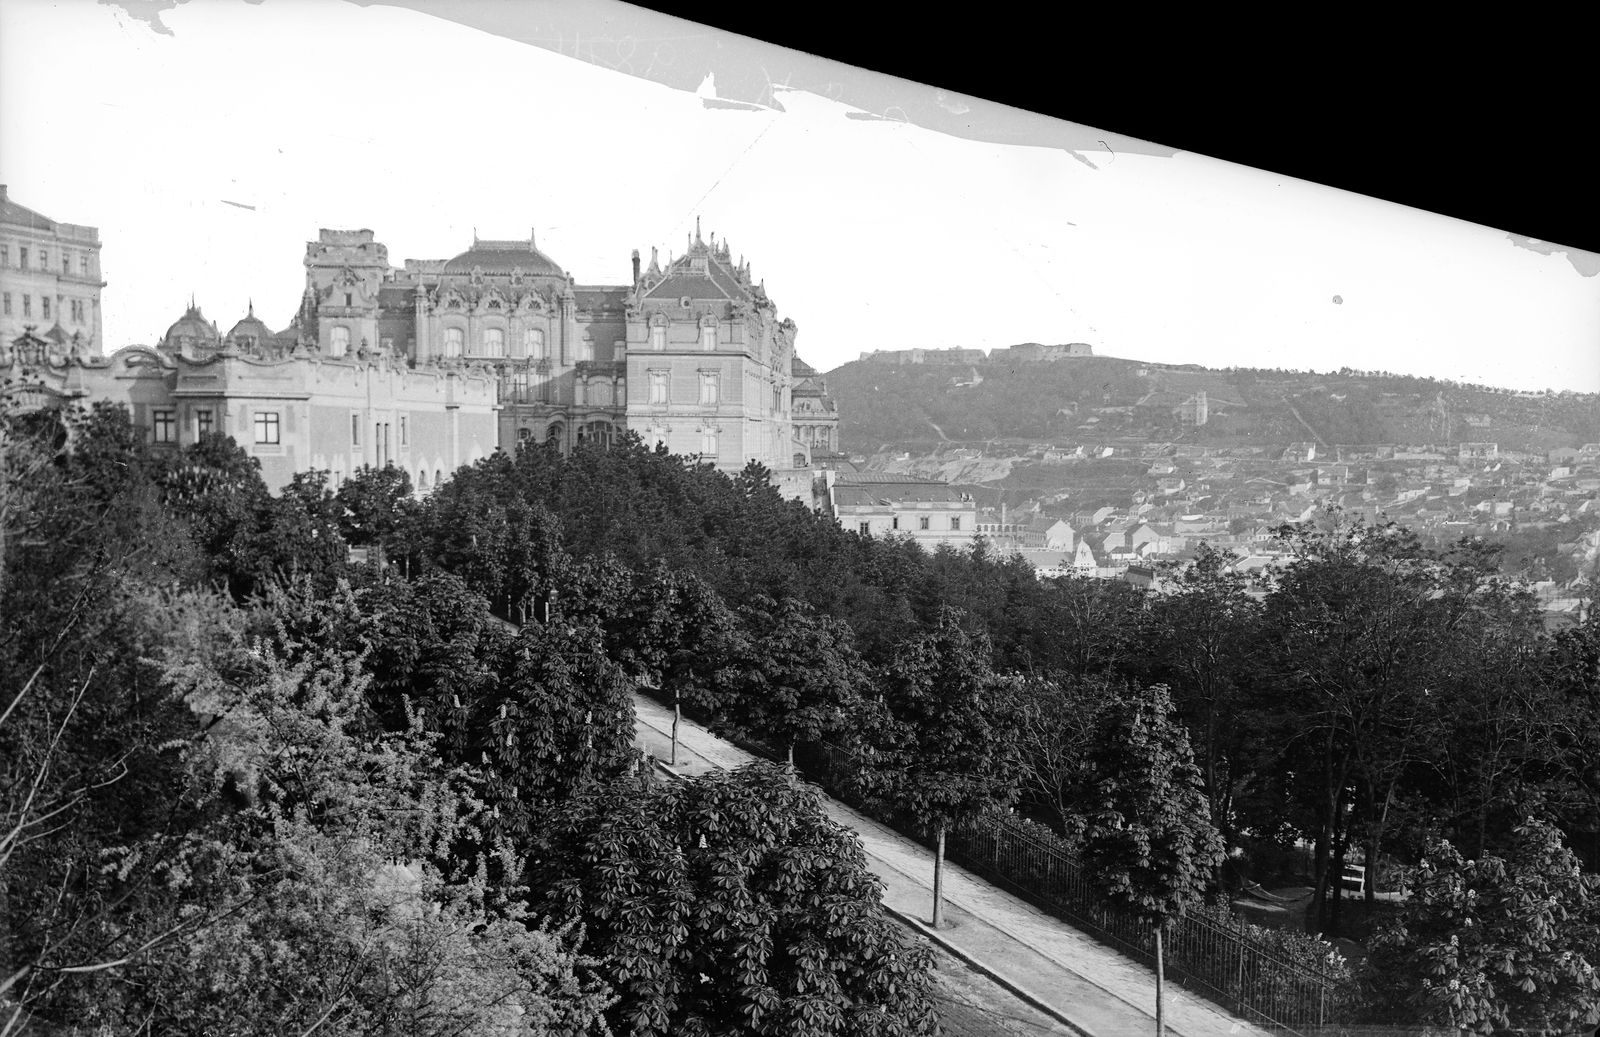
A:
(16, 215)
(704, 272)
(601, 297)
(502, 257)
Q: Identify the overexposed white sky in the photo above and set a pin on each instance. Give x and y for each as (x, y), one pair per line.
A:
(870, 234)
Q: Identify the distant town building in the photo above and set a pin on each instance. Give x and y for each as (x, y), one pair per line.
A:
(49, 280)
(877, 504)
(1195, 410)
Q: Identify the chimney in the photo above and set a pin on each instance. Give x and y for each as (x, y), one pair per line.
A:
(635, 266)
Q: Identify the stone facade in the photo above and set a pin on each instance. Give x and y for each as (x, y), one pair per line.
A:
(49, 279)
(437, 363)
(294, 413)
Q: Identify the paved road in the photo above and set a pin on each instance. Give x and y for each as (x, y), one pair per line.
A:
(1102, 993)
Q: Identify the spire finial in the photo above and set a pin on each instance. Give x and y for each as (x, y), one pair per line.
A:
(533, 237)
(697, 228)
(252, 312)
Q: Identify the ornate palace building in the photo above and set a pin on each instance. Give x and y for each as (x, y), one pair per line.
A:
(437, 363)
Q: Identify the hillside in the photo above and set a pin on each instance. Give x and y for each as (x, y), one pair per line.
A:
(922, 408)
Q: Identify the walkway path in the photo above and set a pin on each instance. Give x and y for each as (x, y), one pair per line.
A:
(1101, 993)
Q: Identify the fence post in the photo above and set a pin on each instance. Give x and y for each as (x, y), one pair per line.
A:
(1238, 942)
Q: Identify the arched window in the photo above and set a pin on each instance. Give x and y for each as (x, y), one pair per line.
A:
(708, 337)
(658, 337)
(453, 339)
(596, 433)
(339, 340)
(422, 478)
(438, 477)
(556, 433)
(494, 342)
(534, 339)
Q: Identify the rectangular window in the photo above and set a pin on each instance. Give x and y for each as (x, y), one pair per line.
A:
(710, 386)
(83, 265)
(202, 423)
(267, 426)
(894, 523)
(355, 430)
(708, 444)
(922, 523)
(22, 257)
(66, 264)
(8, 303)
(44, 306)
(955, 522)
(708, 338)
(658, 388)
(658, 338)
(166, 426)
(5, 255)
(27, 305)
(403, 440)
(44, 259)
(339, 342)
(866, 529)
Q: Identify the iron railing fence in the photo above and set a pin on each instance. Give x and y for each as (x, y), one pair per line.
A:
(1220, 961)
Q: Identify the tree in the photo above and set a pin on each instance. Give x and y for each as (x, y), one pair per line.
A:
(1203, 636)
(1059, 719)
(947, 753)
(1358, 627)
(375, 504)
(1149, 842)
(333, 898)
(1493, 944)
(732, 904)
(802, 679)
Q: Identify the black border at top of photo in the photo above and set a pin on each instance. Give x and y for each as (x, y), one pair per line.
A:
(1491, 125)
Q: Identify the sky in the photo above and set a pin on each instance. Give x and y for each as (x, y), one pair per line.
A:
(210, 140)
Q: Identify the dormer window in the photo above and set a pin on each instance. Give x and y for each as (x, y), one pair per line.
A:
(658, 337)
(586, 348)
(708, 337)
